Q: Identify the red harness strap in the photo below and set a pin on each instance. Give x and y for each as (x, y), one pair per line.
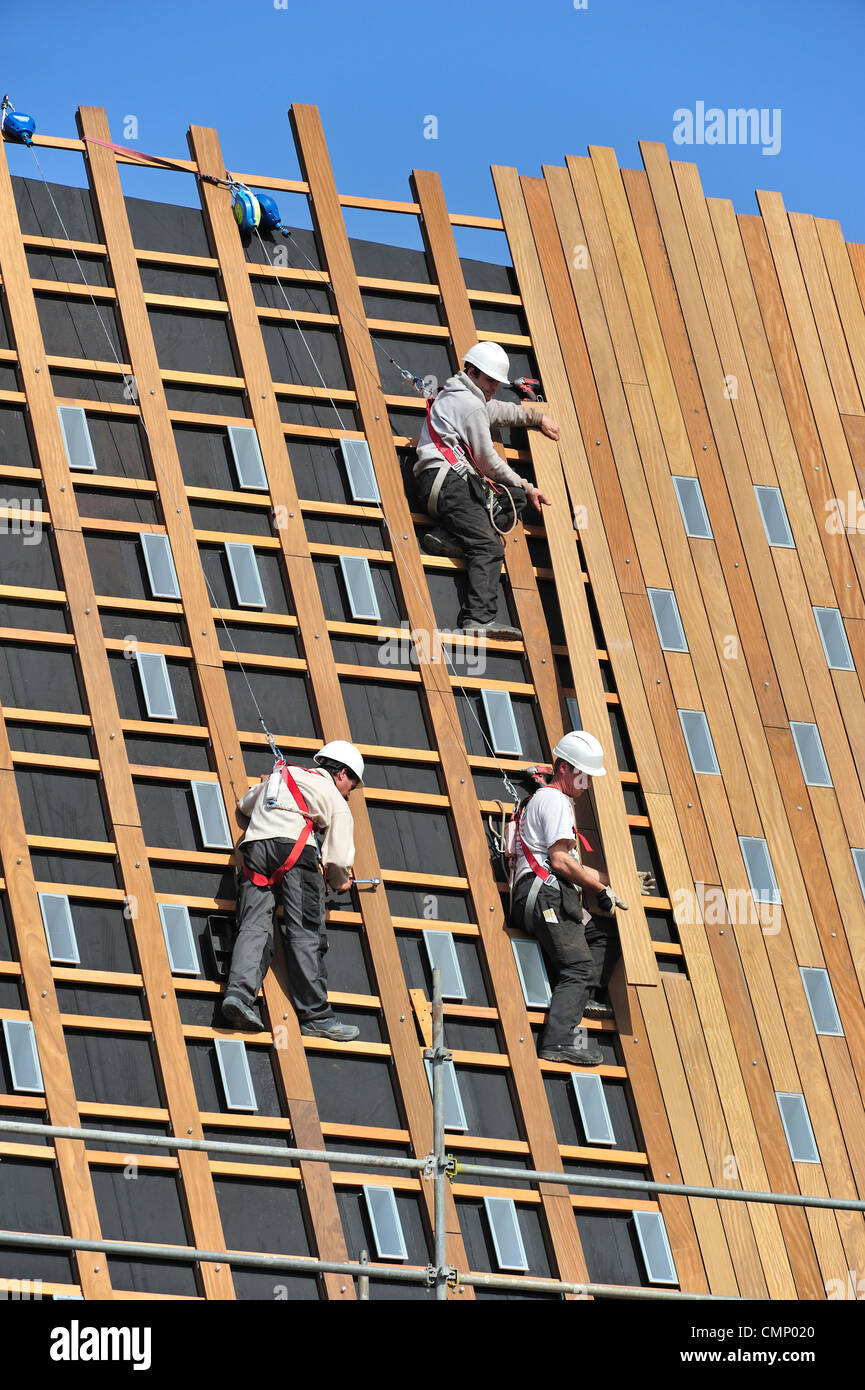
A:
(261, 880)
(534, 864)
(447, 452)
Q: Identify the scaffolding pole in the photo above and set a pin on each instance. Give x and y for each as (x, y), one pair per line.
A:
(301, 1264)
(438, 1057)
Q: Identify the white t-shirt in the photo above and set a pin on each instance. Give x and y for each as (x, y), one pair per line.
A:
(548, 817)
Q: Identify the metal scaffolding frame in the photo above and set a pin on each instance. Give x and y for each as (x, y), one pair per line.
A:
(437, 1166)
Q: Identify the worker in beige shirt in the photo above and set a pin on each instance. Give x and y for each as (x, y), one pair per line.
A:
(280, 858)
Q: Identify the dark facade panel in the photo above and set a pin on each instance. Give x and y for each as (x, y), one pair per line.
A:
(112, 1068)
(15, 451)
(66, 805)
(77, 328)
(30, 1203)
(127, 684)
(144, 1207)
(42, 738)
(88, 870)
(354, 1090)
(37, 217)
(283, 696)
(188, 342)
(385, 715)
(481, 1250)
(290, 362)
(406, 839)
(359, 1236)
(102, 931)
(26, 557)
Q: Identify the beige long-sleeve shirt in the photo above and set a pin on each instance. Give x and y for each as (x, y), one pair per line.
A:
(462, 415)
(329, 812)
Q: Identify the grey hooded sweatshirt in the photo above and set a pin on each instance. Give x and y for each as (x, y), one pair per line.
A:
(462, 415)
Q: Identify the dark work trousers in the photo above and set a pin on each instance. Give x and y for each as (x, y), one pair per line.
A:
(582, 954)
(461, 510)
(303, 933)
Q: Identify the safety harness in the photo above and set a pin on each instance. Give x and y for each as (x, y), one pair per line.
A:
(541, 875)
(452, 460)
(281, 772)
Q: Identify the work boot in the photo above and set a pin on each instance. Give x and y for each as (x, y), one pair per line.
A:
(596, 1008)
(239, 1015)
(573, 1056)
(439, 542)
(330, 1028)
(500, 630)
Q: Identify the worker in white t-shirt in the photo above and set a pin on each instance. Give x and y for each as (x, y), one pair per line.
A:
(549, 882)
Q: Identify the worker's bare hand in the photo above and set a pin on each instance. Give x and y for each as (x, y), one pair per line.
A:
(550, 427)
(539, 499)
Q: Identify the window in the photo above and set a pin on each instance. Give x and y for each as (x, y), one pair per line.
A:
(361, 474)
(655, 1247)
(812, 759)
(156, 685)
(357, 577)
(532, 973)
(500, 720)
(692, 507)
(234, 1070)
(212, 820)
(160, 565)
(384, 1219)
(76, 437)
(59, 931)
(774, 515)
(665, 611)
(455, 1116)
(248, 463)
(859, 861)
(797, 1127)
(761, 875)
(23, 1058)
(506, 1233)
(573, 712)
(179, 941)
(597, 1125)
(821, 1000)
(834, 639)
(244, 574)
(442, 953)
(701, 749)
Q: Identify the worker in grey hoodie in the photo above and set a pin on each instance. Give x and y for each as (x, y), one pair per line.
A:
(280, 859)
(455, 455)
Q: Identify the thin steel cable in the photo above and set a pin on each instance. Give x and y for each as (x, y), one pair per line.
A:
(154, 455)
(394, 540)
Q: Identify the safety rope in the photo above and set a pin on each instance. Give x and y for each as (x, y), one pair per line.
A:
(155, 456)
(509, 786)
(404, 372)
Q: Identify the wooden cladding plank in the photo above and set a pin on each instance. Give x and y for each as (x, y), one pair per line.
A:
(636, 948)
(446, 270)
(689, 1145)
(660, 1147)
(827, 318)
(77, 1191)
(725, 1059)
(716, 1138)
(837, 462)
(528, 1083)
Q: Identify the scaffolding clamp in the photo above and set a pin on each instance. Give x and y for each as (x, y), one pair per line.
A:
(448, 1273)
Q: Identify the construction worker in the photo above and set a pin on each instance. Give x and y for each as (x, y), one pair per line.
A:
(280, 860)
(455, 455)
(547, 901)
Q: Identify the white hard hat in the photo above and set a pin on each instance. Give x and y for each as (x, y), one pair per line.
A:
(491, 359)
(582, 751)
(345, 754)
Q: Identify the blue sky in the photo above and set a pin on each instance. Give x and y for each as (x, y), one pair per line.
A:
(508, 83)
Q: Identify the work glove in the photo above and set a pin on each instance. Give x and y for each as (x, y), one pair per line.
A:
(608, 901)
(648, 883)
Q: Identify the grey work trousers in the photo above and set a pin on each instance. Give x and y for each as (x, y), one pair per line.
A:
(303, 934)
(461, 510)
(582, 954)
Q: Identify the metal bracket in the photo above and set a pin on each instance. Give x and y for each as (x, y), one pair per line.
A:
(429, 1167)
(430, 1054)
(449, 1272)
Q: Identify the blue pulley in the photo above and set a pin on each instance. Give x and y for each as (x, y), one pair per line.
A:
(271, 220)
(15, 125)
(247, 209)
